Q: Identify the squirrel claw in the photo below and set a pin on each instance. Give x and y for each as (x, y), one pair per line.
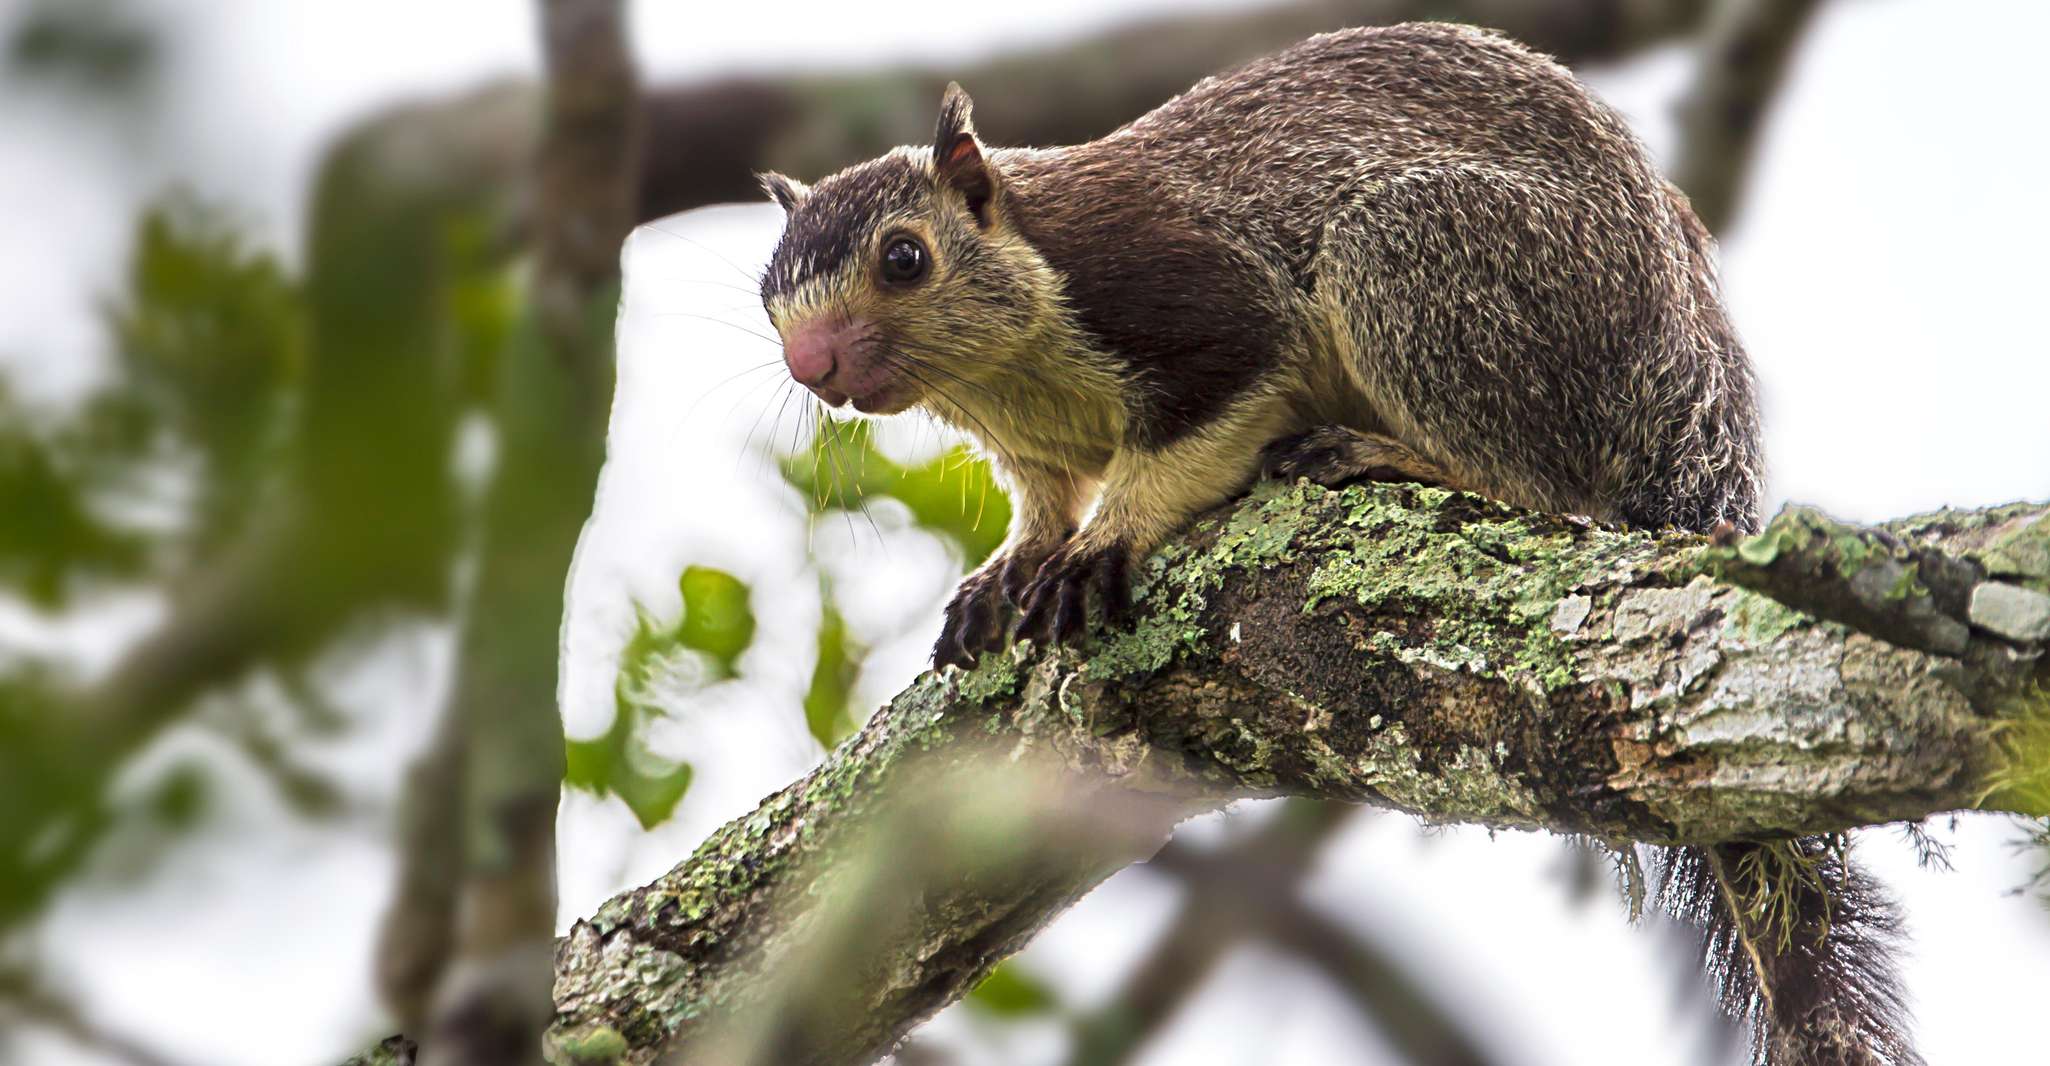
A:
(1056, 604)
(972, 622)
(1016, 575)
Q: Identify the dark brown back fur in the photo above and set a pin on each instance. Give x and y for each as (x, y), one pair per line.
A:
(1603, 375)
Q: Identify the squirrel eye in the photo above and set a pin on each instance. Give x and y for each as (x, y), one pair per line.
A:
(904, 261)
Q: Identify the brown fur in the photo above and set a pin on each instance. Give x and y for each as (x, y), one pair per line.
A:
(1417, 252)
(1423, 234)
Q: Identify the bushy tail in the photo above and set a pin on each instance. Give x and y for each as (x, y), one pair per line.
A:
(1800, 945)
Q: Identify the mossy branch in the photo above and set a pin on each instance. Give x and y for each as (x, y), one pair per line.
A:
(1399, 646)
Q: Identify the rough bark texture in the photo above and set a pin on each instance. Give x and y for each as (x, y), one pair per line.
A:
(1399, 646)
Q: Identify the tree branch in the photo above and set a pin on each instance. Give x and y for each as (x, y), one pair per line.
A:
(1745, 55)
(1251, 891)
(467, 942)
(707, 139)
(1393, 645)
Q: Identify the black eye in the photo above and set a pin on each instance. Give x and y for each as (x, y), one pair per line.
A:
(904, 261)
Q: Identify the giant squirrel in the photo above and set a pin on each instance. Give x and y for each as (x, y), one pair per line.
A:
(1420, 252)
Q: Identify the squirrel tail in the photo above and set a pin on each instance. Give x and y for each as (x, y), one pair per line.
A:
(1799, 944)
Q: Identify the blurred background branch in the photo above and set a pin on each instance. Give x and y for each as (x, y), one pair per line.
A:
(487, 1002)
(31, 1005)
(1744, 55)
(1250, 891)
(707, 140)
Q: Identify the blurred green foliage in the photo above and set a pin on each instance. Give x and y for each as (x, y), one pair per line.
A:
(48, 820)
(238, 390)
(826, 700)
(53, 531)
(168, 459)
(954, 494)
(1010, 992)
(211, 351)
(703, 645)
(208, 356)
(96, 45)
(618, 763)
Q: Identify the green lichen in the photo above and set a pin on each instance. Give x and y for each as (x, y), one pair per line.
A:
(1249, 755)
(1761, 619)
(1801, 532)
(2022, 553)
(1261, 532)
(1489, 580)
(1471, 780)
(994, 678)
(1489, 585)
(597, 1045)
(1774, 880)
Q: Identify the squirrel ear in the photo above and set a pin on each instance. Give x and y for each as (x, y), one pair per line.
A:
(957, 156)
(787, 192)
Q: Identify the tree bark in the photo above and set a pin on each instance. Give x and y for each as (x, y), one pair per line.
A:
(465, 947)
(1398, 646)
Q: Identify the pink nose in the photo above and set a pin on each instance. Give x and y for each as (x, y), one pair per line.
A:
(815, 351)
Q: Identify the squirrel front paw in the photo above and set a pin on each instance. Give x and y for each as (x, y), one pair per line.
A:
(978, 617)
(1056, 605)
(974, 619)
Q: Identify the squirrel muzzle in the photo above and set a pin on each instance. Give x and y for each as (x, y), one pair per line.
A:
(843, 359)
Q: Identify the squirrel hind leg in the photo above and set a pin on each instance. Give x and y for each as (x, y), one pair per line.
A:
(1340, 455)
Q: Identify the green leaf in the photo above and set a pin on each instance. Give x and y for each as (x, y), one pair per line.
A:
(716, 616)
(619, 763)
(954, 494)
(832, 681)
(650, 787)
(717, 625)
(1010, 992)
(51, 530)
(210, 336)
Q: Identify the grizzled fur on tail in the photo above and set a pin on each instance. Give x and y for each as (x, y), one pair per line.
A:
(1799, 944)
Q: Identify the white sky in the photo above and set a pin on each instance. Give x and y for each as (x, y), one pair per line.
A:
(1886, 276)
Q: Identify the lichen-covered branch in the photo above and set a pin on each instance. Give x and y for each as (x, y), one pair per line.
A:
(1400, 646)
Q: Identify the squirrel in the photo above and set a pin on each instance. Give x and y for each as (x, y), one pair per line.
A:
(1416, 253)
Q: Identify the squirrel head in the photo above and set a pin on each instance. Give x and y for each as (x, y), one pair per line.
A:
(903, 280)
